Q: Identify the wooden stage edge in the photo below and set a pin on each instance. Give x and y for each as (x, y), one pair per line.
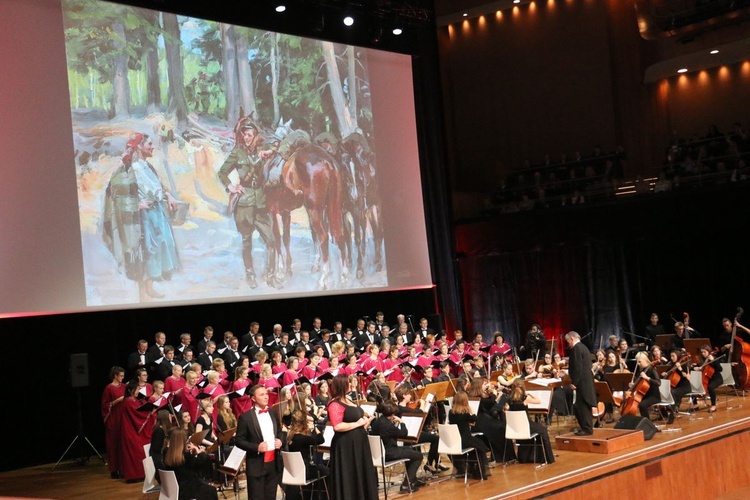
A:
(707, 458)
(575, 482)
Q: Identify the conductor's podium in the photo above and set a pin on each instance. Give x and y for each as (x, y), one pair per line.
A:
(601, 441)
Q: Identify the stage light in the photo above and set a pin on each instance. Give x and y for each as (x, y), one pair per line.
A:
(466, 14)
(516, 1)
(280, 8)
(682, 70)
(348, 20)
(715, 51)
(397, 31)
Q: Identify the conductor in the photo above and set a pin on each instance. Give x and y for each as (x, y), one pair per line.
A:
(583, 383)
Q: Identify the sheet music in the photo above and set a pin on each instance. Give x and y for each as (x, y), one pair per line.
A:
(474, 405)
(328, 433)
(369, 408)
(546, 382)
(234, 460)
(544, 396)
(413, 425)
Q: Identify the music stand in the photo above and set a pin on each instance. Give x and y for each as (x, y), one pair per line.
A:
(231, 467)
(664, 342)
(618, 381)
(603, 395)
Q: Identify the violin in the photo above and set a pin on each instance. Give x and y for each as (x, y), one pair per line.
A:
(673, 374)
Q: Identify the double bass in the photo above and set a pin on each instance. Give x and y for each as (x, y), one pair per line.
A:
(739, 356)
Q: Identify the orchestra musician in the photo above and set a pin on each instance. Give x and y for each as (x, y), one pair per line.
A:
(715, 380)
(491, 417)
(519, 401)
(390, 427)
(462, 416)
(303, 437)
(507, 378)
(683, 386)
(407, 406)
(657, 357)
(645, 371)
(188, 463)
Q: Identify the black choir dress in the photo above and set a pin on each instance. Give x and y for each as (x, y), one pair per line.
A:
(353, 475)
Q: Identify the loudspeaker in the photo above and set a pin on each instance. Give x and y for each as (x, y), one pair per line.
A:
(79, 370)
(637, 423)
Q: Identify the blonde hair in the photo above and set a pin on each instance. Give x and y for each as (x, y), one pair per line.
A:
(227, 415)
(212, 376)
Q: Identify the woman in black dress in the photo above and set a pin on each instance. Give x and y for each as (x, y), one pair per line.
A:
(304, 438)
(518, 401)
(187, 460)
(461, 416)
(678, 368)
(491, 419)
(158, 439)
(645, 371)
(708, 361)
(352, 472)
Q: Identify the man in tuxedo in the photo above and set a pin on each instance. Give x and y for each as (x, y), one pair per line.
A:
(296, 333)
(231, 355)
(207, 358)
(385, 333)
(257, 346)
(156, 351)
(326, 342)
(184, 344)
(139, 358)
(582, 382)
(349, 339)
(221, 346)
(249, 338)
(338, 332)
(380, 321)
(208, 334)
(304, 341)
(424, 330)
(360, 330)
(404, 333)
(315, 332)
(188, 358)
(164, 368)
(284, 347)
(401, 320)
(371, 336)
(259, 434)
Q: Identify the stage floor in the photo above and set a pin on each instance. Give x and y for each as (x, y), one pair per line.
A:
(572, 475)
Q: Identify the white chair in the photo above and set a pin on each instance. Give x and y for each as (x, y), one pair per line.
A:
(667, 401)
(170, 489)
(377, 451)
(696, 386)
(149, 481)
(517, 428)
(450, 444)
(726, 375)
(295, 472)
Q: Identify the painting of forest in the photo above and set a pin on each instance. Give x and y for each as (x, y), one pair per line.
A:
(253, 146)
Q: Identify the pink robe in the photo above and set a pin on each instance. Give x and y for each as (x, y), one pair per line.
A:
(112, 424)
(134, 435)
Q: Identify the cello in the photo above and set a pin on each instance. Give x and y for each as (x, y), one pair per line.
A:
(707, 371)
(673, 374)
(739, 355)
(630, 407)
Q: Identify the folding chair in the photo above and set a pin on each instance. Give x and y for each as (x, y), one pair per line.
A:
(450, 444)
(170, 489)
(295, 473)
(517, 428)
(149, 481)
(146, 449)
(696, 388)
(377, 451)
(667, 401)
(726, 375)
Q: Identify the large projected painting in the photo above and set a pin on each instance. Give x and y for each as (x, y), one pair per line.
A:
(216, 161)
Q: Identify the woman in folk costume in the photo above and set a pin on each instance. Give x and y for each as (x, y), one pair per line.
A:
(136, 225)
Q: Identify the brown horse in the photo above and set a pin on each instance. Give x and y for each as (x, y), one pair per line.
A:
(309, 178)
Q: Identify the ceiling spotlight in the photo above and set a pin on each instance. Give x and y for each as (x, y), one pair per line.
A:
(465, 14)
(715, 51)
(682, 70)
(516, 1)
(397, 31)
(348, 20)
(280, 8)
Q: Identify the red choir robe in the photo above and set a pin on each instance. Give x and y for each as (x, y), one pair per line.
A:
(136, 428)
(243, 403)
(172, 384)
(112, 416)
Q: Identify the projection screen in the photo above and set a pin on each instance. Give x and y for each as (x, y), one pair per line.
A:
(153, 159)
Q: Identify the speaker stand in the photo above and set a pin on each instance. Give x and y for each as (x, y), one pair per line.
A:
(80, 438)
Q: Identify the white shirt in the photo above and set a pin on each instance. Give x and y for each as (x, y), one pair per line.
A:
(266, 429)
